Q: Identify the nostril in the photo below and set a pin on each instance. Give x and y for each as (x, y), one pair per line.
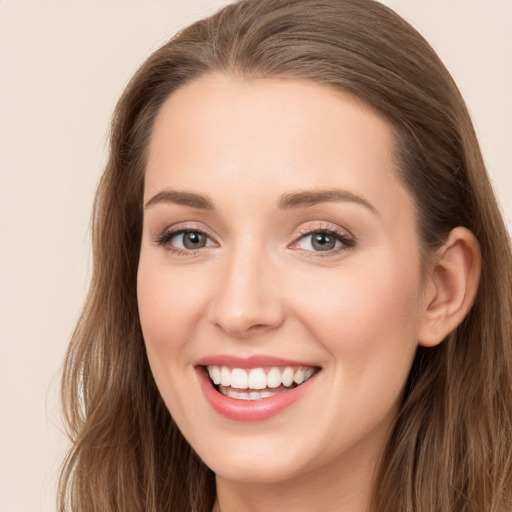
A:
(244, 303)
(257, 327)
(243, 326)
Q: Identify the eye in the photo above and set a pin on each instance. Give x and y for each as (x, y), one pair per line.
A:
(185, 240)
(324, 241)
(189, 240)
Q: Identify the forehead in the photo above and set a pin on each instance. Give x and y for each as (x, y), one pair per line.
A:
(222, 133)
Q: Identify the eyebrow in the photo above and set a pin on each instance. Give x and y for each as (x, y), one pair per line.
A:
(313, 197)
(181, 198)
(289, 200)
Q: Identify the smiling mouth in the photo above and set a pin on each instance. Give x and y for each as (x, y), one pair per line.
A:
(257, 383)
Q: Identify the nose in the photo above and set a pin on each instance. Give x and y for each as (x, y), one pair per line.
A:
(247, 298)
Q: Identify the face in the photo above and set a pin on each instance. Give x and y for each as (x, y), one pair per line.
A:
(279, 255)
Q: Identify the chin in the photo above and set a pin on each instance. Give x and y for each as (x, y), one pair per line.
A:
(260, 471)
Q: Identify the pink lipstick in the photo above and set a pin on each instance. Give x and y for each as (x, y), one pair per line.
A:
(254, 388)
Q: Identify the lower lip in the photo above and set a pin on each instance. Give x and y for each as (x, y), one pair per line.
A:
(250, 410)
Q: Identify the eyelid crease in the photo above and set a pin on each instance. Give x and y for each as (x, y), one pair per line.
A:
(324, 227)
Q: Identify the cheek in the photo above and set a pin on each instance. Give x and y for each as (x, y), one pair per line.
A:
(367, 311)
(169, 305)
(155, 313)
(367, 322)
(167, 309)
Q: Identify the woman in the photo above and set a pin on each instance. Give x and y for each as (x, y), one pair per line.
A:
(301, 292)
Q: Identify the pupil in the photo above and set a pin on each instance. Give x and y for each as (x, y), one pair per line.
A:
(194, 240)
(323, 242)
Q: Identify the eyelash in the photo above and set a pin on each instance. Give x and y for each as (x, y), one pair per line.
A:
(347, 241)
(167, 235)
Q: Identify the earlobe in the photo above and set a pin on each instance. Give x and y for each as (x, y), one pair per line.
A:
(452, 286)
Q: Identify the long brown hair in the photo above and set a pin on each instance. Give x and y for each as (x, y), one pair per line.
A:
(451, 447)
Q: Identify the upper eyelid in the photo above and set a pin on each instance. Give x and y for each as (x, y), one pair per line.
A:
(178, 228)
(345, 239)
(345, 236)
(322, 227)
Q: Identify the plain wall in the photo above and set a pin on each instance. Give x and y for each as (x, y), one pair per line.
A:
(62, 66)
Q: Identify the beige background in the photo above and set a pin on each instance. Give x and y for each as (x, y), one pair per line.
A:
(62, 66)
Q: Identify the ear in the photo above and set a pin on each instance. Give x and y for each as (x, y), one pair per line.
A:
(451, 286)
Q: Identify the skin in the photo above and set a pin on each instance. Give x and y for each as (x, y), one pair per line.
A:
(259, 287)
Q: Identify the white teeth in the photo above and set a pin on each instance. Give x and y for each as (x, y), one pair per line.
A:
(274, 378)
(214, 373)
(298, 377)
(287, 377)
(232, 393)
(246, 395)
(308, 373)
(258, 378)
(239, 378)
(225, 376)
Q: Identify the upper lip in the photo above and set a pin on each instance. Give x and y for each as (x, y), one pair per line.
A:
(254, 361)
